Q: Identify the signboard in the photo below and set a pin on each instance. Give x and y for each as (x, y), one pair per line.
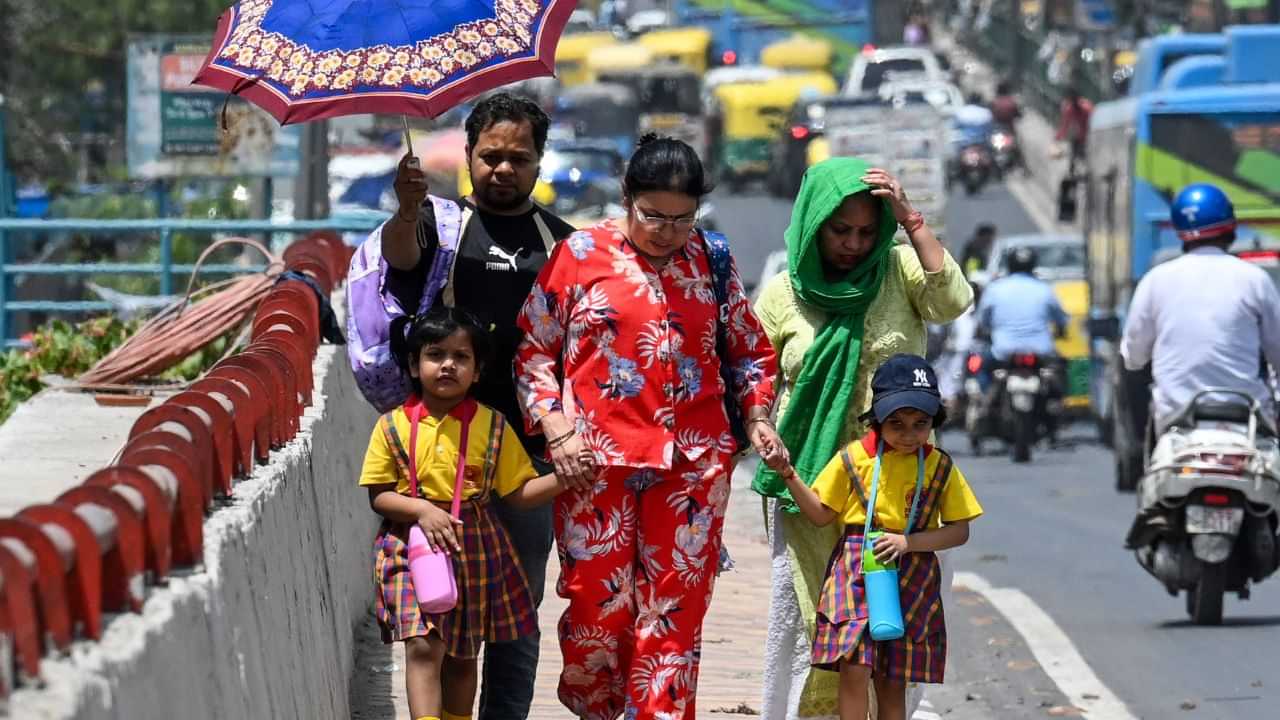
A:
(175, 127)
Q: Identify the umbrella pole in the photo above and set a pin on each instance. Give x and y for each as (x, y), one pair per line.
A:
(418, 230)
(408, 142)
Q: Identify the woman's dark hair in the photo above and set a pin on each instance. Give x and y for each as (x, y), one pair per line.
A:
(409, 334)
(504, 106)
(664, 164)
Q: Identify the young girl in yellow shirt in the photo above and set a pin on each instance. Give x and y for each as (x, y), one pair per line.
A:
(923, 505)
(443, 352)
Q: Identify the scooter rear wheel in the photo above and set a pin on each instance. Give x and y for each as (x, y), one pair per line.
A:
(1204, 601)
(1024, 429)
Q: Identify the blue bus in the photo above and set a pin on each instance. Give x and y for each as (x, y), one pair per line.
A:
(1209, 118)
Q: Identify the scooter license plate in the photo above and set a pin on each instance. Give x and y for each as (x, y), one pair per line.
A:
(1023, 384)
(1203, 519)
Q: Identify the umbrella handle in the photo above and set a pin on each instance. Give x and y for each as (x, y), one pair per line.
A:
(408, 142)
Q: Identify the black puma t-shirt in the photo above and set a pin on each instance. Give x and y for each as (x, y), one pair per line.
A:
(498, 259)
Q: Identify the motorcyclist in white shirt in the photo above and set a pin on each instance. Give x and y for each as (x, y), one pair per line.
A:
(1205, 319)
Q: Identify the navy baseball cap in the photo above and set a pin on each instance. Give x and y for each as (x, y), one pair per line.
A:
(904, 381)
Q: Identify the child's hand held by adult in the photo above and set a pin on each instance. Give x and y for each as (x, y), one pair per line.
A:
(440, 528)
(575, 465)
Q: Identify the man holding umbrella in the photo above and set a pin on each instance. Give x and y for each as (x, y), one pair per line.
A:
(505, 241)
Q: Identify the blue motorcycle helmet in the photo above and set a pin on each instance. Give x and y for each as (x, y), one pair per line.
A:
(1202, 212)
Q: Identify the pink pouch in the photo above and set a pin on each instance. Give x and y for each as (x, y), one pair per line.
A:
(431, 571)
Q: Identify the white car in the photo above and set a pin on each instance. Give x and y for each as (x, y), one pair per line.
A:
(646, 20)
(945, 97)
(580, 21)
(869, 69)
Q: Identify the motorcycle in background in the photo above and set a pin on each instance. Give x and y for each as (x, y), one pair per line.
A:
(1207, 503)
(1006, 153)
(1017, 408)
(975, 166)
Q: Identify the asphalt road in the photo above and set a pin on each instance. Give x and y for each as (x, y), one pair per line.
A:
(1054, 530)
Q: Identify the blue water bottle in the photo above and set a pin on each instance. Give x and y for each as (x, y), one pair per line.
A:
(884, 601)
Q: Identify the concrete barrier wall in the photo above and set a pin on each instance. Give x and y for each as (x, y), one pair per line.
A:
(264, 630)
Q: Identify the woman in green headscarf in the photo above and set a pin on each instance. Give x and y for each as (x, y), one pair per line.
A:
(851, 297)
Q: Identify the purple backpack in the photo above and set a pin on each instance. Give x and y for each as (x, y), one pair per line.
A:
(370, 308)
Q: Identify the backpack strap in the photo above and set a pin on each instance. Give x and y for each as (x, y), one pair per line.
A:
(933, 491)
(721, 262)
(451, 225)
(855, 480)
(548, 240)
(397, 446)
(492, 449)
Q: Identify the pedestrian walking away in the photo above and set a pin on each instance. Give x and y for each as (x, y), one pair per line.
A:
(620, 370)
(893, 480)
(440, 446)
(850, 299)
(504, 241)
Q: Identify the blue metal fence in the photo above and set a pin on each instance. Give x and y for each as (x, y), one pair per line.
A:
(165, 269)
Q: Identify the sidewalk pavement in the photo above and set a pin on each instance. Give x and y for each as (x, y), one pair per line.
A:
(1037, 190)
(732, 672)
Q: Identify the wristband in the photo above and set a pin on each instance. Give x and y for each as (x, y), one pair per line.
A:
(914, 222)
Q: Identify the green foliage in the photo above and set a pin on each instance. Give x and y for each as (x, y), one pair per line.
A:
(62, 73)
(60, 348)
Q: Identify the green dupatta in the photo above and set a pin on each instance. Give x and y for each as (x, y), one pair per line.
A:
(811, 429)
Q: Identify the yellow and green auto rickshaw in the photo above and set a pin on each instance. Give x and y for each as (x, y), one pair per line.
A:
(572, 52)
(748, 117)
(799, 53)
(669, 98)
(807, 84)
(1073, 296)
(619, 58)
(687, 46)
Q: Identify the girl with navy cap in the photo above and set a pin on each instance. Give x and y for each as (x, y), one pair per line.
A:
(922, 504)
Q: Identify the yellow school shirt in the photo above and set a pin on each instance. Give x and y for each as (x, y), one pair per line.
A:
(438, 456)
(897, 484)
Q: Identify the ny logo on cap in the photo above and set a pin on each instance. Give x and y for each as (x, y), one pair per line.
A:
(922, 378)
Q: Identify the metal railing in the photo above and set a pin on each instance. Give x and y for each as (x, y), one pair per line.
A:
(1013, 51)
(164, 269)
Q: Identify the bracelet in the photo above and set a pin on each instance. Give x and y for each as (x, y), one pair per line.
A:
(914, 222)
(761, 418)
(403, 219)
(558, 441)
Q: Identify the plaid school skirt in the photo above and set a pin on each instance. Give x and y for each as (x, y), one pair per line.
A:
(920, 655)
(494, 603)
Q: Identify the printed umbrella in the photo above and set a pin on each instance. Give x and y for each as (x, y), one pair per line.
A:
(302, 60)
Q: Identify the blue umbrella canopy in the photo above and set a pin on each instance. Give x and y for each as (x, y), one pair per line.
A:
(301, 62)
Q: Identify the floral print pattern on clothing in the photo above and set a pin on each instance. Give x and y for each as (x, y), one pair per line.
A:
(639, 347)
(637, 556)
(295, 66)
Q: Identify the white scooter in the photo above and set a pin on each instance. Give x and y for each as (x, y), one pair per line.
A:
(1207, 504)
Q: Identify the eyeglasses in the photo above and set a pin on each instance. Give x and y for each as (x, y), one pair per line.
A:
(655, 222)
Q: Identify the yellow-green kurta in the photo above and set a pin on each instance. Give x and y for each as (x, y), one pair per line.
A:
(895, 323)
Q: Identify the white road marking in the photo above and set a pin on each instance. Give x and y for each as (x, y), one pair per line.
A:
(1039, 214)
(1052, 649)
(925, 711)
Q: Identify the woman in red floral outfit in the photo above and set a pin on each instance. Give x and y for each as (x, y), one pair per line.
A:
(621, 326)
